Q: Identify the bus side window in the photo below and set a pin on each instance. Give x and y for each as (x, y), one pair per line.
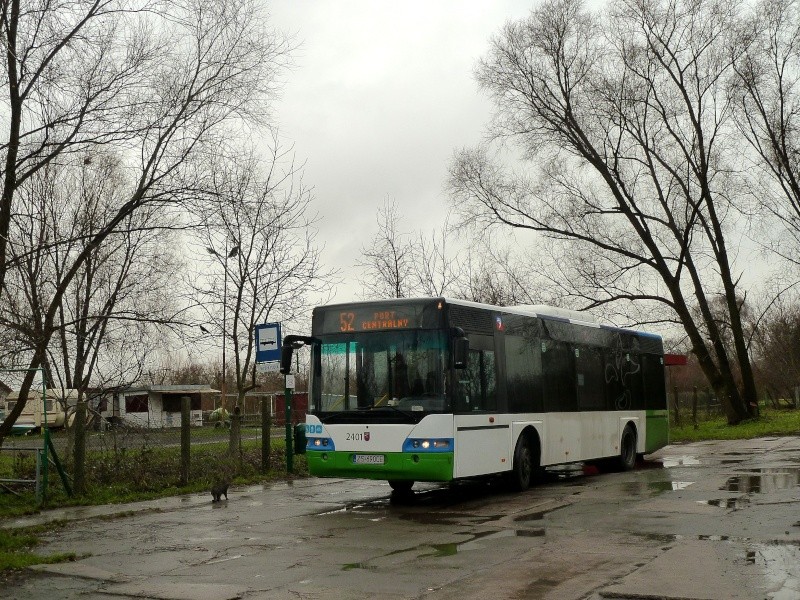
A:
(523, 374)
(590, 380)
(560, 389)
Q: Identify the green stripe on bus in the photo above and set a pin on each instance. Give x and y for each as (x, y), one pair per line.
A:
(436, 466)
(657, 430)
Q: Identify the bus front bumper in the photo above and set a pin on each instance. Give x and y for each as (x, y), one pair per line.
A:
(435, 466)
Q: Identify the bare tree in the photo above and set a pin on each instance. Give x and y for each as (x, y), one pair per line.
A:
(433, 262)
(121, 295)
(116, 297)
(260, 234)
(625, 119)
(389, 259)
(491, 273)
(159, 85)
(446, 261)
(777, 350)
(766, 94)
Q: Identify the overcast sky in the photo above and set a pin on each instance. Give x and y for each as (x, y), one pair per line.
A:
(381, 95)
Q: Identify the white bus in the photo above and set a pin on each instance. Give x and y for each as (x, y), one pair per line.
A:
(439, 390)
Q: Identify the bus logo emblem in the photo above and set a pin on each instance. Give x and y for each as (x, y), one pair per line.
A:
(366, 436)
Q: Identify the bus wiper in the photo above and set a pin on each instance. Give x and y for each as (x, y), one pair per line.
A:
(407, 415)
(374, 406)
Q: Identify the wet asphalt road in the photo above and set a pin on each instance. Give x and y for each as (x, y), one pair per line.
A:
(714, 520)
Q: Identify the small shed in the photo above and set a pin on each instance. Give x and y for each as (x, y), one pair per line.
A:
(159, 406)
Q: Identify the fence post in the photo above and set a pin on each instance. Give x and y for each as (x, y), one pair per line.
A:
(186, 455)
(694, 407)
(266, 433)
(79, 449)
(234, 449)
(675, 402)
(41, 455)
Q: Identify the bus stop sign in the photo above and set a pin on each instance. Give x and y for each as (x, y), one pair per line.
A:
(268, 343)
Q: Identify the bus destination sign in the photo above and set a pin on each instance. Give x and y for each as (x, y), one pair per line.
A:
(357, 318)
(379, 319)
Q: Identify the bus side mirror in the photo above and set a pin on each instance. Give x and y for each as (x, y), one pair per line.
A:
(286, 359)
(460, 352)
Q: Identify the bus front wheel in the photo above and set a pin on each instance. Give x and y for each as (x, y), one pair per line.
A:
(522, 473)
(401, 486)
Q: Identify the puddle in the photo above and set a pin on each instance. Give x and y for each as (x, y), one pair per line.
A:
(680, 461)
(371, 510)
(666, 538)
(452, 548)
(475, 543)
(727, 503)
(779, 563)
(681, 485)
(538, 515)
(447, 518)
(764, 480)
(648, 488)
(379, 510)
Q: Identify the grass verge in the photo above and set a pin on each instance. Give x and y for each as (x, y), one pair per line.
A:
(17, 545)
(771, 422)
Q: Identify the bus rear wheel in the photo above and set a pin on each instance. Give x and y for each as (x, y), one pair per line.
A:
(401, 486)
(627, 450)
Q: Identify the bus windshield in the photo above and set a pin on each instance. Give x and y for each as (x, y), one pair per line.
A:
(401, 371)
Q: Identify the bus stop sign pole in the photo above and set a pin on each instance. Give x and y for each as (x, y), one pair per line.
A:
(289, 382)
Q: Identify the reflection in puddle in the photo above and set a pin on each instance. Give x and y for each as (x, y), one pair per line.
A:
(779, 562)
(728, 503)
(680, 461)
(764, 481)
(681, 485)
(562, 472)
(362, 509)
(649, 488)
(666, 538)
(447, 518)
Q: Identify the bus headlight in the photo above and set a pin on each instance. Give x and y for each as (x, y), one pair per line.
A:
(428, 445)
(318, 443)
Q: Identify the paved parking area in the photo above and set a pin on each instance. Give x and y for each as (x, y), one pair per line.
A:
(713, 520)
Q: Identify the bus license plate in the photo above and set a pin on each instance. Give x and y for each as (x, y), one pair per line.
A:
(368, 459)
